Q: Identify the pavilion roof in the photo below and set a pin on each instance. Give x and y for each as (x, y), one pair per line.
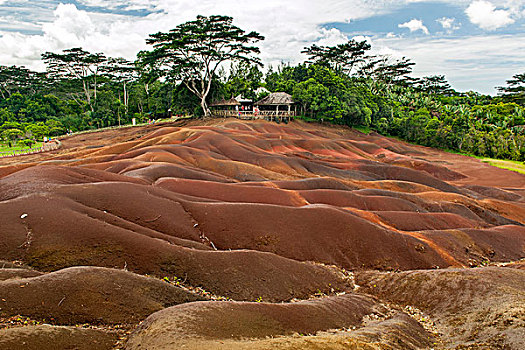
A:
(276, 98)
(230, 102)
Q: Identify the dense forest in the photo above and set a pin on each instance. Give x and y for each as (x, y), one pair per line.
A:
(210, 59)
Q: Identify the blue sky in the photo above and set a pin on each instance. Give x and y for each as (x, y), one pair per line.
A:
(477, 44)
(431, 14)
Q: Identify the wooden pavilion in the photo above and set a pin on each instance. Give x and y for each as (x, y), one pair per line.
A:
(238, 107)
(225, 108)
(278, 106)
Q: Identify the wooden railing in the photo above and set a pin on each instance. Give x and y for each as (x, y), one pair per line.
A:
(46, 147)
(250, 115)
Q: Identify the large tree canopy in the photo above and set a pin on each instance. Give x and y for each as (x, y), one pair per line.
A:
(435, 84)
(18, 79)
(193, 51)
(80, 65)
(515, 89)
(343, 57)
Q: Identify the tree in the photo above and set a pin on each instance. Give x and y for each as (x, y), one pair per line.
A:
(77, 64)
(243, 80)
(10, 135)
(193, 52)
(15, 79)
(122, 72)
(38, 130)
(435, 84)
(515, 89)
(342, 58)
(27, 142)
(6, 115)
(393, 71)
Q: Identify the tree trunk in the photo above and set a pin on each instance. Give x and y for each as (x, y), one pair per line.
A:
(146, 89)
(85, 86)
(205, 108)
(125, 99)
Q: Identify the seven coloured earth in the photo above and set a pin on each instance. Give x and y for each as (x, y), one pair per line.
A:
(230, 234)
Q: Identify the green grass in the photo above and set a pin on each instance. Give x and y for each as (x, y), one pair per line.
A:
(6, 148)
(512, 165)
(363, 129)
(306, 119)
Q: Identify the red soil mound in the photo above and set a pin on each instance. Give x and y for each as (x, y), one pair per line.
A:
(232, 192)
(407, 221)
(340, 198)
(313, 233)
(208, 325)
(47, 178)
(89, 295)
(436, 170)
(154, 172)
(47, 337)
(390, 172)
(15, 273)
(223, 320)
(116, 213)
(251, 209)
(89, 236)
(484, 307)
(399, 332)
(476, 247)
(495, 193)
(315, 183)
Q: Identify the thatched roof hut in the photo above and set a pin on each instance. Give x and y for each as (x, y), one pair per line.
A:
(276, 99)
(223, 103)
(244, 101)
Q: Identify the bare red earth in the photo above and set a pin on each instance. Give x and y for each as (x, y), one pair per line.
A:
(253, 211)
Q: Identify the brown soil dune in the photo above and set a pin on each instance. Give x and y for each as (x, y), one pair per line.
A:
(482, 307)
(89, 236)
(48, 337)
(252, 209)
(251, 325)
(15, 273)
(89, 295)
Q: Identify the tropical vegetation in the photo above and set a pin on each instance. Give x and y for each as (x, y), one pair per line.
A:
(209, 59)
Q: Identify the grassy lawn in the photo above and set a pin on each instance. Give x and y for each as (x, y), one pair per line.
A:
(6, 148)
(363, 129)
(506, 164)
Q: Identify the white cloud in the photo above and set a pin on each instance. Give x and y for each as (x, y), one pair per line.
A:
(13, 24)
(448, 24)
(414, 25)
(470, 63)
(484, 14)
(121, 4)
(287, 26)
(69, 27)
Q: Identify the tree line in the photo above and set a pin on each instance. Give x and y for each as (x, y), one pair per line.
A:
(210, 58)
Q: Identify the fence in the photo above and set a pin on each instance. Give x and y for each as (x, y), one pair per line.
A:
(250, 115)
(46, 147)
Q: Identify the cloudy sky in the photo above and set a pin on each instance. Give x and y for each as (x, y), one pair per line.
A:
(477, 44)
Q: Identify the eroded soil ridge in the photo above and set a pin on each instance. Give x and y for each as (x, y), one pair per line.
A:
(254, 235)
